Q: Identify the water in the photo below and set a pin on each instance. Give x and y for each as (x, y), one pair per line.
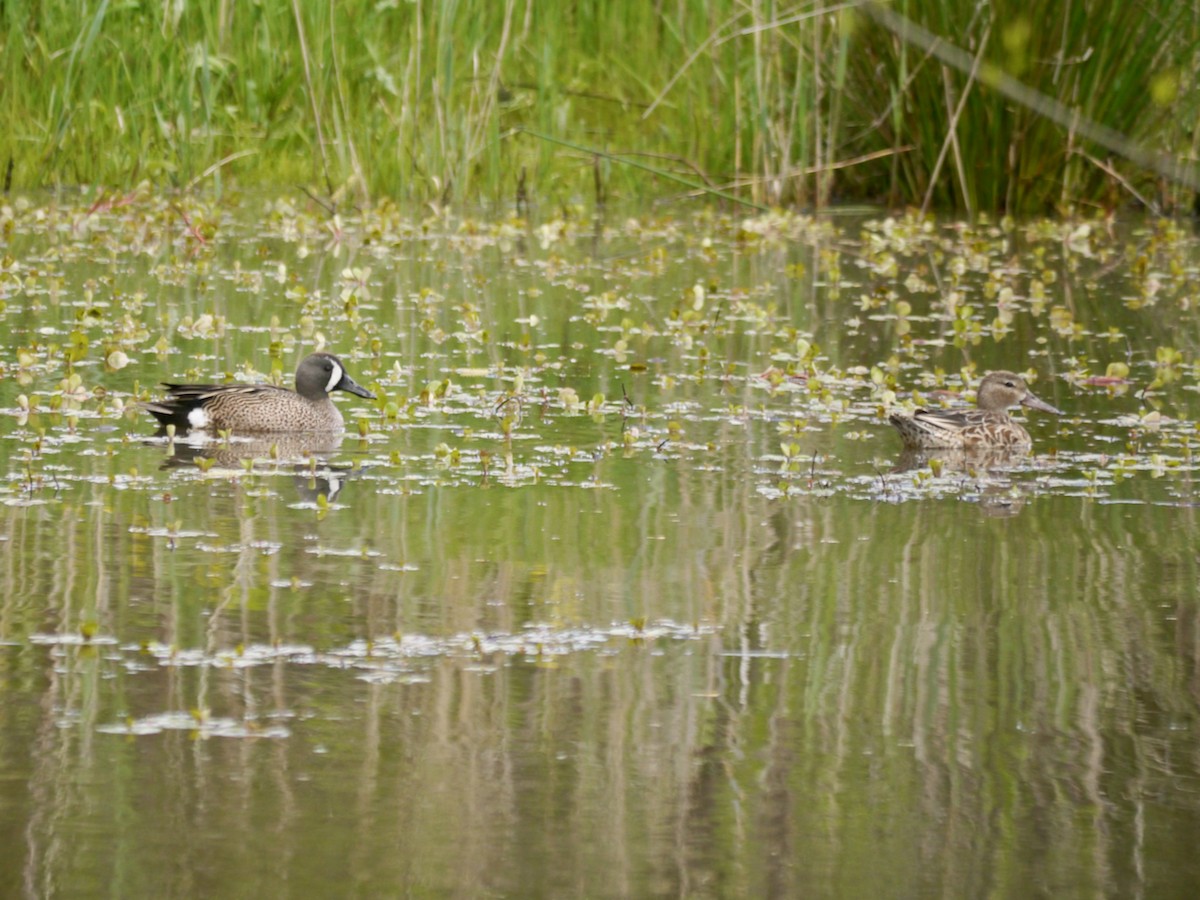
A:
(702, 641)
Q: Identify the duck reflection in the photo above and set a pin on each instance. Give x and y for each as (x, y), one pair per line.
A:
(306, 456)
(1000, 495)
(968, 462)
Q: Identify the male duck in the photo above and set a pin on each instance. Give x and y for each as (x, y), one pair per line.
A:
(989, 426)
(261, 408)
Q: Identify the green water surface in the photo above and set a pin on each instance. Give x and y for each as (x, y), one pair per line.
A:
(618, 590)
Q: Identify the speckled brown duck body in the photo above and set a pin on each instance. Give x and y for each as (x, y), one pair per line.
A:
(987, 427)
(261, 408)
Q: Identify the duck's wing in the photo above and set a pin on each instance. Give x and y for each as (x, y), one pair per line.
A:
(937, 429)
(182, 399)
(948, 421)
(199, 393)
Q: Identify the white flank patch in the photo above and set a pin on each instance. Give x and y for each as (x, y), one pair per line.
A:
(198, 418)
(334, 378)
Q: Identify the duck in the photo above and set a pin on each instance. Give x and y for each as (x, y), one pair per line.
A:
(261, 408)
(989, 426)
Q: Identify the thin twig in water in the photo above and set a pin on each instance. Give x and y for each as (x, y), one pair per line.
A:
(883, 485)
(330, 208)
(196, 235)
(505, 401)
(1116, 176)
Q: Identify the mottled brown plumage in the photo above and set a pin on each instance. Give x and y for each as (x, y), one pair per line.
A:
(988, 426)
(261, 408)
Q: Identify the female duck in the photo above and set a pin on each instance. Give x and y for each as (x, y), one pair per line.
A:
(261, 408)
(989, 426)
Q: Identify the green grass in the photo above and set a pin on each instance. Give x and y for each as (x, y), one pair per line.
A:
(1125, 67)
(431, 101)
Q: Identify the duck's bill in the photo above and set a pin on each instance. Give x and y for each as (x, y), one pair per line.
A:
(1034, 403)
(349, 384)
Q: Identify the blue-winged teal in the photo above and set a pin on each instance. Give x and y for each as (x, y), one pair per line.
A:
(989, 426)
(261, 408)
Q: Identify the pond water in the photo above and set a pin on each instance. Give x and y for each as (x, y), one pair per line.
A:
(622, 586)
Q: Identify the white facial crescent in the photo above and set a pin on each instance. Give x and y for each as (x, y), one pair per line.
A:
(334, 378)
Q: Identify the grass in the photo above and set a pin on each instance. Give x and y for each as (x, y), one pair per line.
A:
(780, 103)
(1123, 68)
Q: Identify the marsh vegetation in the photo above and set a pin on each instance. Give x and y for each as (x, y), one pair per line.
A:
(618, 582)
(934, 103)
(624, 536)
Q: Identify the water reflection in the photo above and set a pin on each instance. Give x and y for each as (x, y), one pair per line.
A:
(997, 461)
(676, 630)
(996, 475)
(885, 683)
(308, 457)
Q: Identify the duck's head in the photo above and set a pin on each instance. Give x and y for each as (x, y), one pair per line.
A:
(1000, 390)
(320, 374)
